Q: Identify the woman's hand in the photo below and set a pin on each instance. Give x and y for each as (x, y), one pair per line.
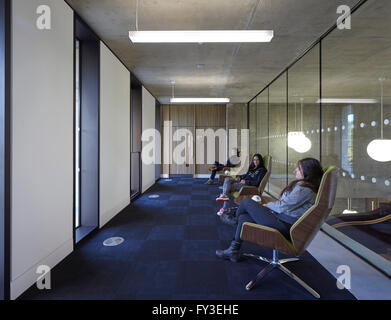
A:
(243, 182)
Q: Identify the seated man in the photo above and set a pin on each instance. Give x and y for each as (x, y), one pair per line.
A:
(232, 162)
(253, 177)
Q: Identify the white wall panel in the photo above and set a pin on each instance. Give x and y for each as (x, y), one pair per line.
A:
(42, 140)
(149, 122)
(114, 136)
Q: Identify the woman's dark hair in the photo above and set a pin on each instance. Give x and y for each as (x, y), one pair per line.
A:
(261, 164)
(312, 172)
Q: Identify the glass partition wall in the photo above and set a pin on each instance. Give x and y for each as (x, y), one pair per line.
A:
(356, 90)
(253, 126)
(334, 104)
(303, 110)
(278, 134)
(262, 122)
(262, 132)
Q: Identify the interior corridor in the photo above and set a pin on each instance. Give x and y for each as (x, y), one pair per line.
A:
(169, 254)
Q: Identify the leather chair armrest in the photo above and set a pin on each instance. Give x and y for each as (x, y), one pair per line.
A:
(266, 237)
(266, 200)
(248, 191)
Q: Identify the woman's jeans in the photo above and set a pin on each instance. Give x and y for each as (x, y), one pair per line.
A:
(251, 211)
(230, 185)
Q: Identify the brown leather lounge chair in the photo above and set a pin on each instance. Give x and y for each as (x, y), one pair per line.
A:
(301, 233)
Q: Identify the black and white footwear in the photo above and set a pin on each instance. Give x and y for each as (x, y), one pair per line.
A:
(222, 198)
(220, 212)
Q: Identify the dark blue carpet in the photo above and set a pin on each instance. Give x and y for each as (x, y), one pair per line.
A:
(169, 253)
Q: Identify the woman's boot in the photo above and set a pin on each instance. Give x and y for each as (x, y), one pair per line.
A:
(232, 253)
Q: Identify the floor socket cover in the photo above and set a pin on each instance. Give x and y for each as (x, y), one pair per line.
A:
(112, 242)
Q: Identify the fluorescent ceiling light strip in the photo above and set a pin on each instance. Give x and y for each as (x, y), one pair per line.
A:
(201, 36)
(199, 100)
(348, 101)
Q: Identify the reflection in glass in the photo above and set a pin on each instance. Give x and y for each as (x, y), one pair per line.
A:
(335, 86)
(297, 140)
(380, 149)
(253, 126)
(263, 122)
(304, 110)
(278, 134)
(352, 118)
(262, 133)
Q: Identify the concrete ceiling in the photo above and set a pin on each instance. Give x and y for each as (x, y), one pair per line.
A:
(237, 71)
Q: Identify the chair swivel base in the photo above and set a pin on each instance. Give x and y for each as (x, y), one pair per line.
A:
(277, 263)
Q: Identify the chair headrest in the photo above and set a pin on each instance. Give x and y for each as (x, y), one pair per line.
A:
(267, 161)
(329, 173)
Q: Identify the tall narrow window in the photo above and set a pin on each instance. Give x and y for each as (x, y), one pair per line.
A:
(136, 131)
(5, 81)
(77, 135)
(87, 80)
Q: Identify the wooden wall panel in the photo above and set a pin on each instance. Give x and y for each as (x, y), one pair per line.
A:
(182, 115)
(204, 168)
(210, 116)
(188, 167)
(237, 119)
(166, 145)
(192, 117)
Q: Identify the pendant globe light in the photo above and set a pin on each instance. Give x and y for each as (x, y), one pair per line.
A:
(380, 149)
(292, 136)
(297, 139)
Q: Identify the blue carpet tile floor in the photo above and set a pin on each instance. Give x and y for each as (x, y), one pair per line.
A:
(169, 253)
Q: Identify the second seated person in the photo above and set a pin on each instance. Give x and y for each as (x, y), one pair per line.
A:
(253, 177)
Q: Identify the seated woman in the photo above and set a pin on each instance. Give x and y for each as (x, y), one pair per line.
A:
(294, 201)
(232, 162)
(253, 177)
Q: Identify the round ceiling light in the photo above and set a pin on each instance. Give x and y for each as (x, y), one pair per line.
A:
(299, 142)
(380, 150)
